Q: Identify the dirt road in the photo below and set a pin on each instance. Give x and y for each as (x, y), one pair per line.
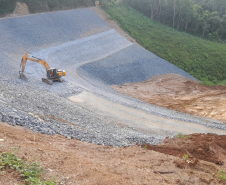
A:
(138, 119)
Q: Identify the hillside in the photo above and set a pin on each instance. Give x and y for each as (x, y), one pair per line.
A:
(206, 19)
(203, 59)
(82, 131)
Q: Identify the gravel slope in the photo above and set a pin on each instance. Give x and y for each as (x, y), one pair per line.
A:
(133, 64)
(94, 57)
(60, 116)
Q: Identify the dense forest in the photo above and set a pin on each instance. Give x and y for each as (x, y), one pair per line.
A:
(204, 18)
(36, 6)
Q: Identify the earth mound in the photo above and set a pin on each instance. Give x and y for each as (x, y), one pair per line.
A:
(207, 147)
(177, 92)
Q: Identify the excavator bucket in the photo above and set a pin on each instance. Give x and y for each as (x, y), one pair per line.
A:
(22, 75)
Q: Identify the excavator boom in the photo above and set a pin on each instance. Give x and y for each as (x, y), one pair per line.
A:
(36, 60)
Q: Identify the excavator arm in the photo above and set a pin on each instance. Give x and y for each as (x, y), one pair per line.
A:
(40, 61)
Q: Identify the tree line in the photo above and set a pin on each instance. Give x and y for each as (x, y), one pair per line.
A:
(35, 6)
(204, 18)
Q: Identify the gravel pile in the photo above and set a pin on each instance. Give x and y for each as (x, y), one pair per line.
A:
(94, 57)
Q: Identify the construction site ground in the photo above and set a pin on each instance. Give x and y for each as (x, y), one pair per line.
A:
(75, 162)
(184, 160)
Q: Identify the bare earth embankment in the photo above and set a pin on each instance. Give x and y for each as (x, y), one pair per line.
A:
(179, 93)
(75, 162)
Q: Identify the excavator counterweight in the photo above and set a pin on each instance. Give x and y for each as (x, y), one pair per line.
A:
(52, 74)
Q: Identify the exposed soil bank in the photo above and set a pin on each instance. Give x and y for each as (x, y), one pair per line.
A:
(207, 147)
(179, 93)
(75, 162)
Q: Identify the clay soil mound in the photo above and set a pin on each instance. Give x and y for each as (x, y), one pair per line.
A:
(176, 92)
(207, 147)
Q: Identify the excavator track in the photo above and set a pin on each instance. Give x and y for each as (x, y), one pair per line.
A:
(60, 80)
(50, 82)
(57, 80)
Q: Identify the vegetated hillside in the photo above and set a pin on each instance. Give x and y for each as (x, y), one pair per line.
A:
(35, 6)
(206, 19)
(203, 59)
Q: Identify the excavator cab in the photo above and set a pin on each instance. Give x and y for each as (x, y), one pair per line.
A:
(53, 75)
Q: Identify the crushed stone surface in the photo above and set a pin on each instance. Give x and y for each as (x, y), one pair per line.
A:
(61, 116)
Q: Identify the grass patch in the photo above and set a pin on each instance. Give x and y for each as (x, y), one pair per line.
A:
(203, 59)
(145, 147)
(222, 83)
(221, 175)
(180, 135)
(30, 172)
(186, 157)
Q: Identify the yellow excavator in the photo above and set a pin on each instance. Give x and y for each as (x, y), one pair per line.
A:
(52, 73)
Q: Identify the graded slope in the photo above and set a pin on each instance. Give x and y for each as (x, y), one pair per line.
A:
(28, 34)
(133, 64)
